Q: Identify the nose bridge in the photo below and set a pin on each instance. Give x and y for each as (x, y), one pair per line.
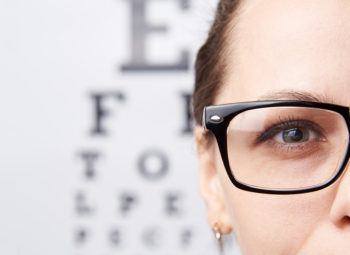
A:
(346, 161)
(347, 120)
(340, 208)
(347, 156)
(346, 171)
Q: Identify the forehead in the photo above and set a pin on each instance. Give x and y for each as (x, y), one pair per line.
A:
(301, 45)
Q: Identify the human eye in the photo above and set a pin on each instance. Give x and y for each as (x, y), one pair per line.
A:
(292, 135)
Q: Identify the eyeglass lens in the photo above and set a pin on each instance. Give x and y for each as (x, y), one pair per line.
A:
(286, 147)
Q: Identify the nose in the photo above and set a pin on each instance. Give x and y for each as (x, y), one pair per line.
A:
(340, 210)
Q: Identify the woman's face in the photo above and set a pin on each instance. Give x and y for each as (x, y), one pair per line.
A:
(280, 47)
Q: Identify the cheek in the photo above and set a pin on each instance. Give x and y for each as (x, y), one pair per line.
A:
(263, 223)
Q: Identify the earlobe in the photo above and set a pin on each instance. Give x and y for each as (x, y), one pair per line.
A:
(217, 210)
(210, 185)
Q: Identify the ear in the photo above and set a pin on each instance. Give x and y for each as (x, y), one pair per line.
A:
(211, 187)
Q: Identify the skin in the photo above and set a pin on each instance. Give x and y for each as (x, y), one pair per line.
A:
(277, 48)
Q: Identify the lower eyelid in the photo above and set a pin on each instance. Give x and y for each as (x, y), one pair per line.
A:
(293, 150)
(305, 147)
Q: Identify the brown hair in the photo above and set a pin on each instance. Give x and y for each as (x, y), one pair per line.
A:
(209, 64)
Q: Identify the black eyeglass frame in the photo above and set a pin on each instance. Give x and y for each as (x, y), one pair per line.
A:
(216, 118)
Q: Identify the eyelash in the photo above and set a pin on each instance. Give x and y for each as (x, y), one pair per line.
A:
(287, 123)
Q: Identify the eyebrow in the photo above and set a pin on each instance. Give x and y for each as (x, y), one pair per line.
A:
(297, 95)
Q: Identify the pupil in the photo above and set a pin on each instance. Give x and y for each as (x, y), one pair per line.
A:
(293, 135)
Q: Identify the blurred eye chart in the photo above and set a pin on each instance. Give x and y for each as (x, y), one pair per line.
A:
(97, 154)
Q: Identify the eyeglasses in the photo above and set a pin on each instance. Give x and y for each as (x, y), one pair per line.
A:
(281, 146)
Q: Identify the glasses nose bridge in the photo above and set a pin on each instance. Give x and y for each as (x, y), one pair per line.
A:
(347, 160)
(347, 156)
